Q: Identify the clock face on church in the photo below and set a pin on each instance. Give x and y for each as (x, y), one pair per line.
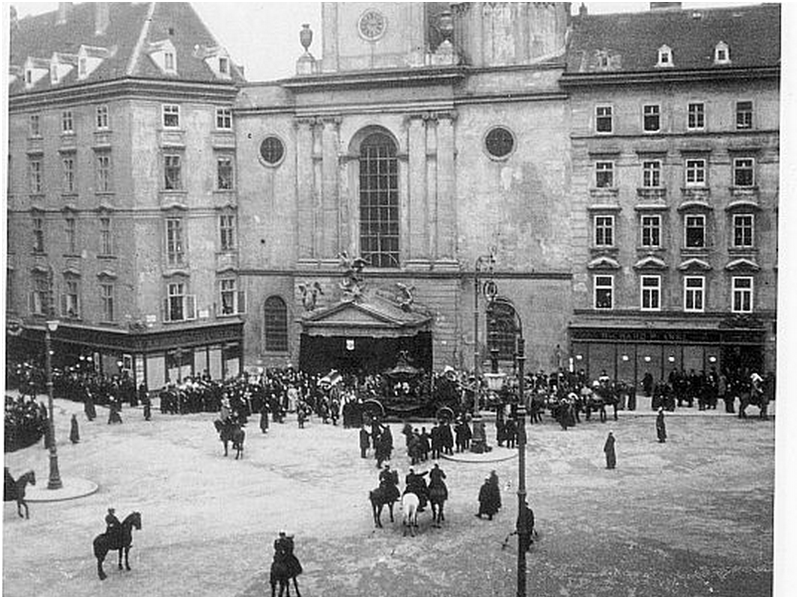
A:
(372, 25)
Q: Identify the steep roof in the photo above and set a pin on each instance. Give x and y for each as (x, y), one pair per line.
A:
(630, 42)
(127, 39)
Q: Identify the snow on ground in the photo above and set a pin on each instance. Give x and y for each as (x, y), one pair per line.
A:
(689, 517)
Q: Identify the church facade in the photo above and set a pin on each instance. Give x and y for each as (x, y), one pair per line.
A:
(389, 192)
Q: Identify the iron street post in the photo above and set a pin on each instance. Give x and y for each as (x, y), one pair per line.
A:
(54, 482)
(482, 262)
(521, 566)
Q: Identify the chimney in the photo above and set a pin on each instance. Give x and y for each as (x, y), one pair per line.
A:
(101, 10)
(583, 10)
(662, 6)
(64, 8)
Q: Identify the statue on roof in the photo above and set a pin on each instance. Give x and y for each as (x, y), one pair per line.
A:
(352, 279)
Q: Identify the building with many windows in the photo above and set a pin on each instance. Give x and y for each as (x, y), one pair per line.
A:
(674, 189)
(121, 193)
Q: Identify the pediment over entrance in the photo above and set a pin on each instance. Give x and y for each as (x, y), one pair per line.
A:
(362, 317)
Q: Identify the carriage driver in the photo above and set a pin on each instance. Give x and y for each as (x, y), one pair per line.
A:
(113, 528)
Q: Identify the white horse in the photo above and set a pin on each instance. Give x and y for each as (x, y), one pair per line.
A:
(410, 507)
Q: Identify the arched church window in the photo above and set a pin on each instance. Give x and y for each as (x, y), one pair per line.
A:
(276, 325)
(379, 201)
(502, 329)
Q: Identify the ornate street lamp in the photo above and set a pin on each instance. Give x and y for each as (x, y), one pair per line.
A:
(54, 481)
(521, 413)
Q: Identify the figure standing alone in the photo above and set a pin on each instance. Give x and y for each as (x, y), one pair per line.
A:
(610, 451)
(660, 426)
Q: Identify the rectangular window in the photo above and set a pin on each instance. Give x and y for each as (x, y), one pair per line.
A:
(223, 65)
(650, 231)
(603, 292)
(40, 296)
(224, 173)
(695, 172)
(82, 67)
(171, 115)
(604, 174)
(695, 231)
(36, 173)
(743, 230)
(106, 237)
(70, 301)
(104, 181)
(107, 301)
(603, 231)
(227, 239)
(651, 118)
(694, 294)
(742, 294)
(38, 234)
(650, 292)
(169, 61)
(102, 117)
(228, 297)
(178, 305)
(172, 178)
(743, 170)
(743, 115)
(604, 119)
(68, 163)
(696, 116)
(651, 173)
(35, 126)
(224, 118)
(66, 122)
(70, 235)
(174, 241)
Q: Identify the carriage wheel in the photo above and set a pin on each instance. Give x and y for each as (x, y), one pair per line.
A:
(374, 408)
(445, 413)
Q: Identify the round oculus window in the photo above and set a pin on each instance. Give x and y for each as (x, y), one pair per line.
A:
(372, 25)
(272, 150)
(499, 142)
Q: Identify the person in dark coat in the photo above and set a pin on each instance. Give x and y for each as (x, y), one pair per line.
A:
(114, 416)
(437, 477)
(74, 434)
(610, 451)
(88, 405)
(525, 526)
(660, 426)
(363, 436)
(113, 528)
(284, 551)
(389, 479)
(489, 497)
(264, 409)
(147, 404)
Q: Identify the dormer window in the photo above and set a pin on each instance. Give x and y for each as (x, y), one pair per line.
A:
(29, 77)
(82, 67)
(665, 57)
(722, 54)
(163, 54)
(224, 66)
(53, 74)
(169, 62)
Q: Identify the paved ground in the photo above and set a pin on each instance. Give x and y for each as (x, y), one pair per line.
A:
(686, 518)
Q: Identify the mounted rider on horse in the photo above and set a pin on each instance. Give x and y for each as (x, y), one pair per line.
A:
(415, 483)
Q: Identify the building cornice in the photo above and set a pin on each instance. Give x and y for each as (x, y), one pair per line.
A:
(405, 274)
(648, 77)
(129, 87)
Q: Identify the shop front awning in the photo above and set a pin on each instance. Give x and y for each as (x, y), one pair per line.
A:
(366, 317)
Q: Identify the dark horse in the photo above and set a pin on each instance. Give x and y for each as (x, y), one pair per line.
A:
(104, 543)
(14, 490)
(383, 495)
(753, 397)
(285, 567)
(231, 432)
(437, 494)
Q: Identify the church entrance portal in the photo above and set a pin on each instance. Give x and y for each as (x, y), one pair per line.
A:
(363, 355)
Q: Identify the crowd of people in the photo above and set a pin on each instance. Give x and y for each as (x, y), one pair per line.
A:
(25, 422)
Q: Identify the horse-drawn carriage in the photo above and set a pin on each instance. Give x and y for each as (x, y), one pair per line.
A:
(409, 392)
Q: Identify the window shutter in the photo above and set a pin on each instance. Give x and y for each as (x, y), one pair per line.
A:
(242, 303)
(165, 310)
(191, 303)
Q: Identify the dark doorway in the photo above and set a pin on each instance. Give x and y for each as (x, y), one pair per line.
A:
(363, 355)
(742, 359)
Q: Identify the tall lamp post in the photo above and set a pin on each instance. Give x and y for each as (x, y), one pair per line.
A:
(521, 413)
(54, 481)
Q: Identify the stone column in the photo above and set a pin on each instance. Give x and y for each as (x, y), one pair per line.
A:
(318, 218)
(432, 188)
(305, 190)
(447, 214)
(330, 196)
(417, 191)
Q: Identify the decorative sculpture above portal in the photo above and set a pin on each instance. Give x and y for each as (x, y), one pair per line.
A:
(309, 293)
(405, 297)
(352, 280)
